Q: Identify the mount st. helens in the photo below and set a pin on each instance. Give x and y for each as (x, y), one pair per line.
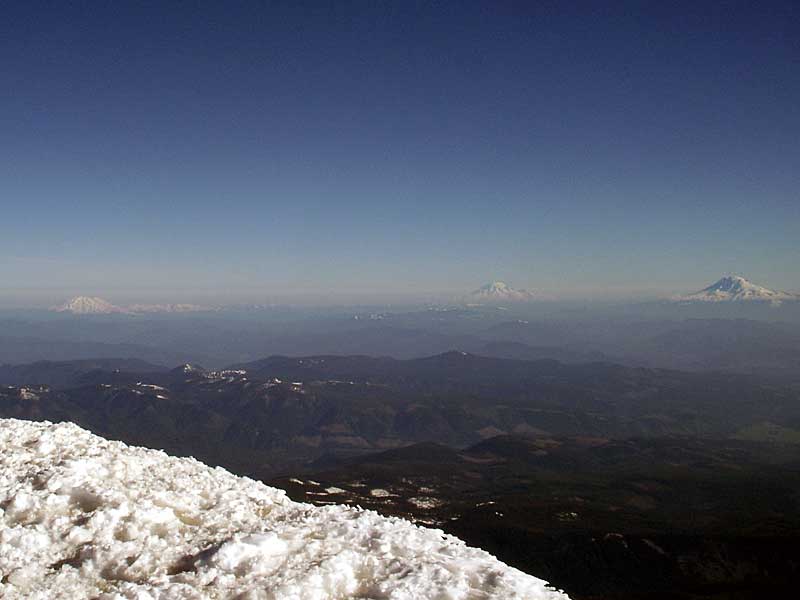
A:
(93, 305)
(734, 288)
(731, 288)
(84, 517)
(88, 305)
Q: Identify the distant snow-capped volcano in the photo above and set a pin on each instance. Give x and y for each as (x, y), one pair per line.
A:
(499, 291)
(92, 305)
(165, 308)
(734, 288)
(89, 305)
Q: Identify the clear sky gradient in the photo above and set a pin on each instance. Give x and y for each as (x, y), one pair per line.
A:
(269, 148)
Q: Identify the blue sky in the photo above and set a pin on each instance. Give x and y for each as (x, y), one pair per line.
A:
(260, 149)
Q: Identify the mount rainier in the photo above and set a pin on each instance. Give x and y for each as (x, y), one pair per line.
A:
(734, 288)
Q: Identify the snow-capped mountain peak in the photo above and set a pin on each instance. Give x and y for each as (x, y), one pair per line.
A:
(85, 517)
(500, 291)
(165, 308)
(92, 305)
(734, 288)
(88, 305)
(188, 368)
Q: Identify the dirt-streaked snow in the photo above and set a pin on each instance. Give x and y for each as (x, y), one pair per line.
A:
(84, 517)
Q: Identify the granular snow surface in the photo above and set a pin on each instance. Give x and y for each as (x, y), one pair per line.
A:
(84, 517)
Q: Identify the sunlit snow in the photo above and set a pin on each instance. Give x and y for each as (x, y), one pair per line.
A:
(84, 517)
(734, 288)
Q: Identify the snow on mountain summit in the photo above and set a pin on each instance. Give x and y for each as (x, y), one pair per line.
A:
(166, 308)
(500, 291)
(92, 305)
(734, 288)
(85, 517)
(89, 305)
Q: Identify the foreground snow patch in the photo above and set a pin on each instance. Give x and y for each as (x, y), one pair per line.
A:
(84, 517)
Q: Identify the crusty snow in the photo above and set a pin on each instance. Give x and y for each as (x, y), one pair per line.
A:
(84, 517)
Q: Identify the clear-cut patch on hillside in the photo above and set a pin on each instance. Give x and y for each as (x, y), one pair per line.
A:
(84, 517)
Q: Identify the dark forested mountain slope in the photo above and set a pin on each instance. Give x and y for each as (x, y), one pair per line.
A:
(568, 470)
(260, 415)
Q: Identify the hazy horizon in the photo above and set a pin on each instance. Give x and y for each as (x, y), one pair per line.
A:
(266, 151)
(44, 298)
